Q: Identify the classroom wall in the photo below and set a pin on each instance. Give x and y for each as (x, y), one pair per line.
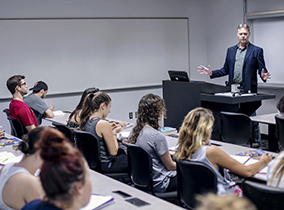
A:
(123, 101)
(212, 29)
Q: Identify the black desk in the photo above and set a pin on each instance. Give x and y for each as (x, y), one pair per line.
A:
(181, 97)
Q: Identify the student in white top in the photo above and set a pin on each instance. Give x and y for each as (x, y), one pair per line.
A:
(18, 184)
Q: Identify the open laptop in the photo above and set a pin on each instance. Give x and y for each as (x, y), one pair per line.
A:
(178, 75)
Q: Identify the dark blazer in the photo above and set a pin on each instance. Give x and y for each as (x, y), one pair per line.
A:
(253, 63)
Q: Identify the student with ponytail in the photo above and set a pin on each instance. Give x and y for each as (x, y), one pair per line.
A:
(64, 175)
(18, 184)
(93, 119)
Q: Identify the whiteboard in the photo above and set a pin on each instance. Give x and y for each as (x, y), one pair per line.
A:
(71, 55)
(268, 34)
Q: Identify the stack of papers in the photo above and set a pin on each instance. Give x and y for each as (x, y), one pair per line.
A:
(58, 113)
(98, 202)
(8, 157)
(229, 94)
(248, 160)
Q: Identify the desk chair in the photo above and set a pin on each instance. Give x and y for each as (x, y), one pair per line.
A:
(264, 197)
(38, 116)
(6, 111)
(236, 128)
(88, 144)
(194, 178)
(141, 172)
(66, 131)
(17, 127)
(280, 131)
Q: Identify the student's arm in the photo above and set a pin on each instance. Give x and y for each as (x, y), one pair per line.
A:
(108, 132)
(49, 113)
(30, 127)
(168, 162)
(219, 158)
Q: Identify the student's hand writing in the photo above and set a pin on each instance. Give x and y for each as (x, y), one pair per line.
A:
(204, 70)
(266, 158)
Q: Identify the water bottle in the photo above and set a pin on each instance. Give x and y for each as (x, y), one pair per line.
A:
(2, 137)
(2, 132)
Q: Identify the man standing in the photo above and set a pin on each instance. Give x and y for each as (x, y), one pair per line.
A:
(242, 63)
(36, 103)
(18, 109)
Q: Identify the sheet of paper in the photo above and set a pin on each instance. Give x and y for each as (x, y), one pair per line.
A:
(241, 159)
(98, 201)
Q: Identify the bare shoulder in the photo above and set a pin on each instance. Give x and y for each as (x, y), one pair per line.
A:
(24, 179)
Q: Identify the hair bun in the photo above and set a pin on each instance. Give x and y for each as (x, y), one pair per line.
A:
(52, 145)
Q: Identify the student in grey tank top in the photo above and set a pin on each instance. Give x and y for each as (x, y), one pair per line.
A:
(194, 145)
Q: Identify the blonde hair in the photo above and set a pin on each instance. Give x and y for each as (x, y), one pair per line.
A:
(196, 129)
(227, 202)
(277, 171)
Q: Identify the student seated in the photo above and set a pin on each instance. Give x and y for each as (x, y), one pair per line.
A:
(93, 119)
(194, 145)
(280, 106)
(18, 109)
(74, 118)
(145, 134)
(64, 175)
(226, 202)
(18, 178)
(275, 171)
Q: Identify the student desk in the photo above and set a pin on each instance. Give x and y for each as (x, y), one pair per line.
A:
(59, 118)
(104, 185)
(268, 119)
(230, 149)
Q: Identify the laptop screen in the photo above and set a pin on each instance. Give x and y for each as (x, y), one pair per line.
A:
(178, 75)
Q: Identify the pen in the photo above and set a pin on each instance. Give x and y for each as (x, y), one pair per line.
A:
(247, 160)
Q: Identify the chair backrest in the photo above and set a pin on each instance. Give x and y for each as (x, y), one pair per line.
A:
(140, 168)
(90, 147)
(194, 178)
(17, 127)
(235, 128)
(264, 197)
(38, 116)
(66, 131)
(6, 111)
(280, 130)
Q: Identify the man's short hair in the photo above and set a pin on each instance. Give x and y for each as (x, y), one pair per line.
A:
(13, 82)
(243, 25)
(39, 86)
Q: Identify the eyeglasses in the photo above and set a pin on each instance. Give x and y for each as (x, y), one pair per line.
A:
(24, 83)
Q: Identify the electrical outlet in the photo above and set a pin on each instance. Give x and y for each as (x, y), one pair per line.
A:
(130, 115)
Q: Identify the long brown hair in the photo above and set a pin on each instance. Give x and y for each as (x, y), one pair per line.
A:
(92, 104)
(80, 104)
(150, 108)
(196, 129)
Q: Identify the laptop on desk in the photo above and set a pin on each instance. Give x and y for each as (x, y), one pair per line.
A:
(176, 75)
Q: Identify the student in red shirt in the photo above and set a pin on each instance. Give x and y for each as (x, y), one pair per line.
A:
(18, 109)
